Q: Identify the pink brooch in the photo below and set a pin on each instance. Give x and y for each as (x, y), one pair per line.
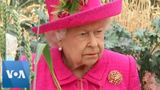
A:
(115, 77)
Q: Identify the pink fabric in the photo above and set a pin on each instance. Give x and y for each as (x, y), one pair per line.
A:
(94, 79)
(15, 89)
(84, 17)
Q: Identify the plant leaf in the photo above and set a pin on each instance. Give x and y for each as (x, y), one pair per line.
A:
(39, 51)
(46, 53)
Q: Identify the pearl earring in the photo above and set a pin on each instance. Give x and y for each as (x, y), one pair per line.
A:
(60, 48)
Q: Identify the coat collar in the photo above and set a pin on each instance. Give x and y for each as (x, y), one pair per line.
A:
(64, 74)
(97, 73)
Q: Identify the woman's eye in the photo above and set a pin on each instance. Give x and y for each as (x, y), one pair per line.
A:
(83, 33)
(98, 31)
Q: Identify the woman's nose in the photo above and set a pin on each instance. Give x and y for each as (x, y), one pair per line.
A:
(92, 40)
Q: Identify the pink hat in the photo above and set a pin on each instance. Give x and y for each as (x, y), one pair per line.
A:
(88, 11)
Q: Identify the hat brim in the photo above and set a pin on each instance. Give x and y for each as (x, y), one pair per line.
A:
(81, 18)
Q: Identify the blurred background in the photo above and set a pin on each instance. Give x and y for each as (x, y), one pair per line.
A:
(136, 31)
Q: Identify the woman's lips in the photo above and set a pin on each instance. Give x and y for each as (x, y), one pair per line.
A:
(91, 54)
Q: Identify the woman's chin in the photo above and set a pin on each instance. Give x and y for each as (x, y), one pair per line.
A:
(90, 60)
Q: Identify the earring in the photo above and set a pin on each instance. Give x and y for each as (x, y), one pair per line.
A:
(60, 48)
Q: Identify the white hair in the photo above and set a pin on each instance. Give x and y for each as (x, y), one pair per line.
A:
(53, 37)
(60, 34)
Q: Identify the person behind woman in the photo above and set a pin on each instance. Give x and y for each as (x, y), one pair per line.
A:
(75, 34)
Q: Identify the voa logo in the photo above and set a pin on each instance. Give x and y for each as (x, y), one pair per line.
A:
(12, 73)
(15, 74)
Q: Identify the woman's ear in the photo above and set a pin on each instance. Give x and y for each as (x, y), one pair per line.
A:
(59, 43)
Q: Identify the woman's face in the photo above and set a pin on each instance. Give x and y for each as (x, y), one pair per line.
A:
(83, 45)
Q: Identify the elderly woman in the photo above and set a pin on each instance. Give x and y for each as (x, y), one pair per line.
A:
(76, 37)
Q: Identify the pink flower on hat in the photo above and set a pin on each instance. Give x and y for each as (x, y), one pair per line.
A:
(63, 13)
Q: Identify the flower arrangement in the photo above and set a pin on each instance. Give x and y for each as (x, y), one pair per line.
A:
(68, 7)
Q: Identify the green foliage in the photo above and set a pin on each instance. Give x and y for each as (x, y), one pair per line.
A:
(2, 43)
(13, 23)
(149, 55)
(43, 18)
(3, 18)
(143, 44)
(69, 5)
(118, 38)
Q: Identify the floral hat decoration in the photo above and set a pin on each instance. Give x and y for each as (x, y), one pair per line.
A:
(72, 13)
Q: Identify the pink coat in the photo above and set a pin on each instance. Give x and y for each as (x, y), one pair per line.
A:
(95, 79)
